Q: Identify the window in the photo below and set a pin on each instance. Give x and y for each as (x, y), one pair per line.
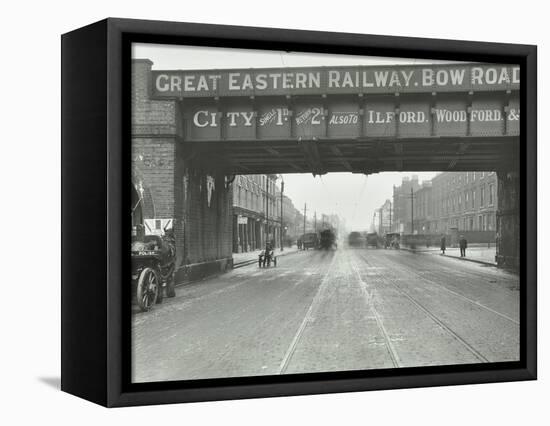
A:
(473, 198)
(482, 196)
(480, 220)
(491, 194)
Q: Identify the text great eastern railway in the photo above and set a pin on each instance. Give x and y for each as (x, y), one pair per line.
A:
(341, 80)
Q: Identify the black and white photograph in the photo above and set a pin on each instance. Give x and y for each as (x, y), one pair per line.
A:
(275, 213)
(298, 213)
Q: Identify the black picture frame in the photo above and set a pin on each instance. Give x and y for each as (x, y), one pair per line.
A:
(96, 168)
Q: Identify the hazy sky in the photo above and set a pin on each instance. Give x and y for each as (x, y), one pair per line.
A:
(351, 196)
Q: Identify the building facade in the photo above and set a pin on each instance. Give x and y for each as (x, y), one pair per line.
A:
(383, 219)
(256, 212)
(402, 205)
(423, 209)
(450, 203)
(465, 201)
(257, 201)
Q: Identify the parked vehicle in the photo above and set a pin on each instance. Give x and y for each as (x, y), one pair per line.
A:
(310, 240)
(267, 257)
(153, 268)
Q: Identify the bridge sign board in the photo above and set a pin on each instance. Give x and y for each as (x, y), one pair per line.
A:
(421, 101)
(411, 116)
(177, 84)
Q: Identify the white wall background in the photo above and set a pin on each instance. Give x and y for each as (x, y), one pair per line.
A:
(30, 173)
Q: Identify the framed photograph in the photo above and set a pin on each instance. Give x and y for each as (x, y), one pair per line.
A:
(254, 212)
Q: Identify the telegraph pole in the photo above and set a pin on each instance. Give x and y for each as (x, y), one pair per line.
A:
(315, 221)
(282, 222)
(412, 211)
(390, 219)
(305, 212)
(266, 209)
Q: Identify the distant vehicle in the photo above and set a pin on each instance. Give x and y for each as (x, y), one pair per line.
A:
(392, 240)
(356, 239)
(373, 240)
(310, 240)
(327, 240)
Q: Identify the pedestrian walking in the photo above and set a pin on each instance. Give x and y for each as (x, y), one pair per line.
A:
(443, 244)
(463, 243)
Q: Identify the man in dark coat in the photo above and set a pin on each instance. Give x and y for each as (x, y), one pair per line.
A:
(463, 245)
(443, 244)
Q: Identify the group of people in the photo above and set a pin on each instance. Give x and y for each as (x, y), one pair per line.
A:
(462, 243)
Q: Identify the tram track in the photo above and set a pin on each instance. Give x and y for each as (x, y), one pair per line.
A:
(313, 307)
(432, 316)
(392, 351)
(461, 296)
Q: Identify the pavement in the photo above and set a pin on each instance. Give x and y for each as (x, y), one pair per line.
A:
(331, 311)
(480, 254)
(242, 259)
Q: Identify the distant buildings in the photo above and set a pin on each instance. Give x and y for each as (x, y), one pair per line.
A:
(383, 220)
(450, 202)
(257, 213)
(402, 204)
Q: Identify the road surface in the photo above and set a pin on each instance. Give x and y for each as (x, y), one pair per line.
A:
(331, 311)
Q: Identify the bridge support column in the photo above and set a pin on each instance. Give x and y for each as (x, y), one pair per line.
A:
(507, 220)
(175, 185)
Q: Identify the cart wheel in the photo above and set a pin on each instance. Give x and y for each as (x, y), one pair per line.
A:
(147, 289)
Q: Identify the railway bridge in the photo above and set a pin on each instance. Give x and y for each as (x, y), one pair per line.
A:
(192, 130)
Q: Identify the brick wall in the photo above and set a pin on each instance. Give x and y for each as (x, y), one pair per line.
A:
(176, 186)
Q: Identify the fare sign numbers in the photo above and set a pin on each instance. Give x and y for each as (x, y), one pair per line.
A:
(274, 121)
(309, 120)
(420, 116)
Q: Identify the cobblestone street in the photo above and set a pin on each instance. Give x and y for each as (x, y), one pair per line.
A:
(331, 311)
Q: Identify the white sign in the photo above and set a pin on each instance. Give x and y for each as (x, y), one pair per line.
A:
(157, 226)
